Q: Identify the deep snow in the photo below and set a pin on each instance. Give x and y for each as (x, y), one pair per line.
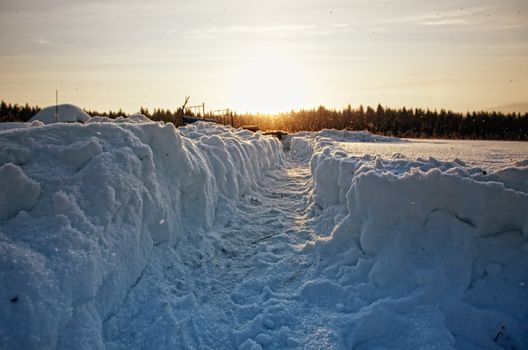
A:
(84, 209)
(430, 253)
(130, 234)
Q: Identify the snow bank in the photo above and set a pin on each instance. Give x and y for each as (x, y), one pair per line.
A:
(304, 143)
(67, 114)
(88, 207)
(424, 252)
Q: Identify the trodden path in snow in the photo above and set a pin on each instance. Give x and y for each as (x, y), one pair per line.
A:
(244, 292)
(263, 246)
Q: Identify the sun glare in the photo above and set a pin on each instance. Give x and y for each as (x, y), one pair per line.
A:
(269, 84)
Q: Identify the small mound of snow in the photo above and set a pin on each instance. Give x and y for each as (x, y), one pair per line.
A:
(139, 118)
(67, 113)
(134, 118)
(20, 125)
(354, 136)
(346, 136)
(18, 192)
(99, 119)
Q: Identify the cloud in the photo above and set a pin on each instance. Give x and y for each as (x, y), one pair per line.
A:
(282, 29)
(448, 17)
(460, 16)
(444, 22)
(41, 41)
(278, 30)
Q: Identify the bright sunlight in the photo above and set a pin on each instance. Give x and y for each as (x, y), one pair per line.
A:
(268, 84)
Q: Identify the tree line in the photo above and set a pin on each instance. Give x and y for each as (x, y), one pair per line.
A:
(401, 122)
(17, 113)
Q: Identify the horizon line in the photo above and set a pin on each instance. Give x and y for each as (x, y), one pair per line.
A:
(509, 108)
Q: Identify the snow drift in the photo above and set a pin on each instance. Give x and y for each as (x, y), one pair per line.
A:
(303, 144)
(67, 113)
(423, 253)
(84, 208)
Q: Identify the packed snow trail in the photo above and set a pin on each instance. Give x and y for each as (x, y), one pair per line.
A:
(241, 300)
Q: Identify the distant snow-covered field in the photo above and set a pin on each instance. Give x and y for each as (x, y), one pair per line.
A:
(490, 155)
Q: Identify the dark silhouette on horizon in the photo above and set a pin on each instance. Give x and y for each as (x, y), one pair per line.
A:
(401, 122)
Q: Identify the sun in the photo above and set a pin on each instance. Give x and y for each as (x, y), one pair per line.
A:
(269, 84)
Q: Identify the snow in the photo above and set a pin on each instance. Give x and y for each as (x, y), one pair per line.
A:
(17, 125)
(488, 155)
(428, 243)
(133, 118)
(133, 234)
(67, 113)
(86, 206)
(303, 144)
(18, 192)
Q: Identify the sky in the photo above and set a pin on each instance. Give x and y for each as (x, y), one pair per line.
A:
(265, 56)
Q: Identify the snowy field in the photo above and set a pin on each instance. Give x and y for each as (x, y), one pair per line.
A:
(136, 235)
(490, 155)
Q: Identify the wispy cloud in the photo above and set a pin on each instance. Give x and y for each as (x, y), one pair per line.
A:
(41, 41)
(444, 22)
(278, 30)
(460, 16)
(219, 31)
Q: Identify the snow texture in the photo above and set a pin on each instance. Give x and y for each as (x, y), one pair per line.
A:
(130, 234)
(18, 125)
(432, 254)
(18, 192)
(304, 143)
(67, 113)
(133, 118)
(84, 207)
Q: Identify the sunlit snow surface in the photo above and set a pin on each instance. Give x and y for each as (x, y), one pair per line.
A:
(427, 244)
(490, 155)
(128, 234)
